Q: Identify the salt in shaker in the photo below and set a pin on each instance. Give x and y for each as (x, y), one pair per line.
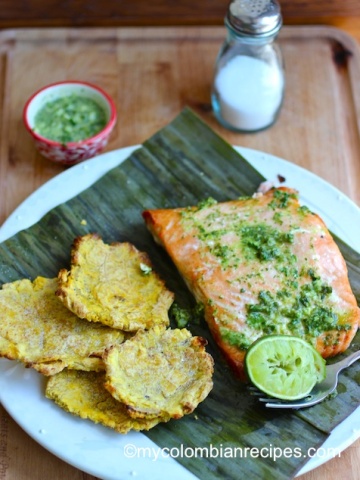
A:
(249, 79)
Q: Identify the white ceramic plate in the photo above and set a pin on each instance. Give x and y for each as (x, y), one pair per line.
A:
(100, 451)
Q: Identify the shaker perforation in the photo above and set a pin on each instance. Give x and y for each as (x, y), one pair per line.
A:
(251, 8)
(255, 17)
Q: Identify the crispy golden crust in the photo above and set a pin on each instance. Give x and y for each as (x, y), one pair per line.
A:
(113, 284)
(83, 394)
(160, 372)
(39, 331)
(206, 244)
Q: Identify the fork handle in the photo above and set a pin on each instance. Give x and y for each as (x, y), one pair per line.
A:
(347, 361)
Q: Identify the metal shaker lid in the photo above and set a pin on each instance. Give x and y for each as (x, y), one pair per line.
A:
(254, 17)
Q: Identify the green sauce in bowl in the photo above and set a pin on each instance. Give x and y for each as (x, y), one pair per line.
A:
(70, 119)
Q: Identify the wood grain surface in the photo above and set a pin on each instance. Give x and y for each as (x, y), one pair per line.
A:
(152, 73)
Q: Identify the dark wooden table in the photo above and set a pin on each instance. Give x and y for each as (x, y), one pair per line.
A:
(80, 13)
(21, 458)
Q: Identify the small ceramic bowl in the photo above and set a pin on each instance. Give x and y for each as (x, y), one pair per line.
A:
(72, 152)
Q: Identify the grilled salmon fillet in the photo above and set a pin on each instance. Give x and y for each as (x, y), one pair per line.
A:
(261, 265)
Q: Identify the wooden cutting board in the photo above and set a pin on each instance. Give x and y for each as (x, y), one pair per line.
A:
(152, 73)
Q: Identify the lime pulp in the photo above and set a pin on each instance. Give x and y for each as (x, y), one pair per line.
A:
(284, 366)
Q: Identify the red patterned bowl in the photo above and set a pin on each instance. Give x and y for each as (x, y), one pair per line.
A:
(72, 152)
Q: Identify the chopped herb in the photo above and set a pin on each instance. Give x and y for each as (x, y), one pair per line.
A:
(146, 270)
(304, 209)
(281, 199)
(208, 202)
(236, 339)
(264, 241)
(278, 218)
(318, 320)
(182, 316)
(332, 395)
(297, 313)
(260, 315)
(198, 312)
(223, 252)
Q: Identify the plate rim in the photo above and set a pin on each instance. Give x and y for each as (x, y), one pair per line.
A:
(95, 168)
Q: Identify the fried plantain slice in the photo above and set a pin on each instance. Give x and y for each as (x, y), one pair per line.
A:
(159, 372)
(114, 284)
(83, 394)
(37, 329)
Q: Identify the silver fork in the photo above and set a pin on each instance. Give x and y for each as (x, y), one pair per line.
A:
(320, 391)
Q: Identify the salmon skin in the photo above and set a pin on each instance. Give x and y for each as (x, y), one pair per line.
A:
(261, 265)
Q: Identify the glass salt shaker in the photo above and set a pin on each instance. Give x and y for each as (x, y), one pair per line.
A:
(249, 80)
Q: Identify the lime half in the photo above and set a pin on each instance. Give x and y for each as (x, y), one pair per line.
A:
(284, 366)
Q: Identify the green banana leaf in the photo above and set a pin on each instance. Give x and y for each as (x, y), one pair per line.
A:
(181, 164)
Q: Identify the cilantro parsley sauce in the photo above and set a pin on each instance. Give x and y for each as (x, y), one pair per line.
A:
(71, 118)
(301, 304)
